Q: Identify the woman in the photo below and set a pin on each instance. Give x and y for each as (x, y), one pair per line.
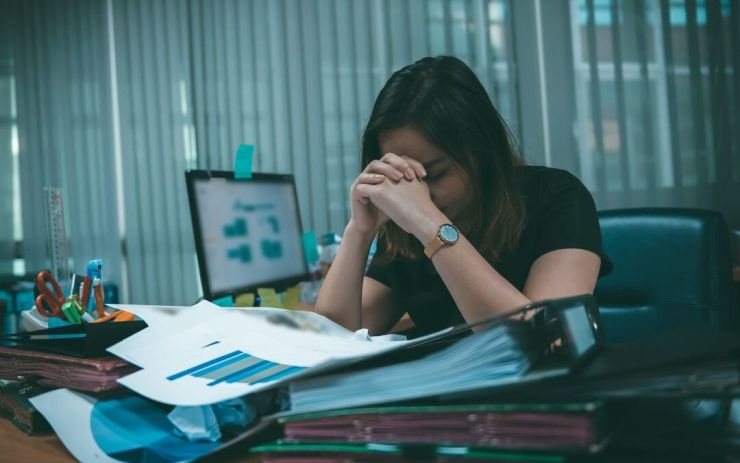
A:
(465, 230)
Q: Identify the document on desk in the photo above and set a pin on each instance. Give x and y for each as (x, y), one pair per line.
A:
(115, 429)
(206, 354)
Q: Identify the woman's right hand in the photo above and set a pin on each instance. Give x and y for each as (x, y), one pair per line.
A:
(366, 217)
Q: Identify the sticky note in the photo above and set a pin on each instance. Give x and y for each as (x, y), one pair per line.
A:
(292, 297)
(244, 300)
(310, 246)
(226, 301)
(269, 298)
(243, 161)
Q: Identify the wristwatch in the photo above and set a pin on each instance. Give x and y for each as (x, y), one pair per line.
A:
(447, 235)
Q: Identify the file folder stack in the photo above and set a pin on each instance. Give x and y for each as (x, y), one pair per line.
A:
(56, 370)
(497, 355)
(572, 427)
(369, 453)
(15, 406)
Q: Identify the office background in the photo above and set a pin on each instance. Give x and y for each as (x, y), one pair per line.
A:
(112, 100)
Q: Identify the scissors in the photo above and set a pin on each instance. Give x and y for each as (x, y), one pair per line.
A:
(51, 302)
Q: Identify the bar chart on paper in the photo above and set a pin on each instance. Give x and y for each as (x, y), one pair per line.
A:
(237, 367)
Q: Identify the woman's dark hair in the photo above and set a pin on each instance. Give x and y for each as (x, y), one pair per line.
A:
(443, 100)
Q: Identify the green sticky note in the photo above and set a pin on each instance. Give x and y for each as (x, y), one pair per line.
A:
(226, 301)
(310, 246)
(243, 161)
(244, 300)
(269, 298)
(292, 297)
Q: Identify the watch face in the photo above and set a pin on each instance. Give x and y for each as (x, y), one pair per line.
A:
(448, 233)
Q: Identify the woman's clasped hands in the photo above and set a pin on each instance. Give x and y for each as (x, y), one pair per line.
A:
(392, 187)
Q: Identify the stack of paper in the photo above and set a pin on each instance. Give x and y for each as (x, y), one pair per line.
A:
(496, 355)
(206, 354)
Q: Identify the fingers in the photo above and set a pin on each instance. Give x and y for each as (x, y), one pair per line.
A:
(387, 170)
(367, 179)
(396, 167)
(364, 191)
(404, 164)
(421, 172)
(372, 179)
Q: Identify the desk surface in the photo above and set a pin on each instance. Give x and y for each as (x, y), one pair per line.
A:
(18, 447)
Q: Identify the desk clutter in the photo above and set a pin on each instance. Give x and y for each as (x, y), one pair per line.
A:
(535, 384)
(15, 406)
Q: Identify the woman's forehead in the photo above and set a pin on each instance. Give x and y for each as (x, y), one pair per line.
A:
(408, 142)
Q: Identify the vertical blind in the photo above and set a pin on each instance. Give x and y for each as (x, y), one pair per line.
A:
(112, 100)
(298, 80)
(116, 99)
(63, 120)
(658, 91)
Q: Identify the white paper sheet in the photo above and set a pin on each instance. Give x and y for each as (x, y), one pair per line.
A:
(192, 340)
(120, 428)
(69, 414)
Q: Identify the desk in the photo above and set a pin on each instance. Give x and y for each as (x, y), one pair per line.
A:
(18, 447)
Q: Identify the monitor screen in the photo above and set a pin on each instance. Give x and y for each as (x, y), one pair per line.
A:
(247, 232)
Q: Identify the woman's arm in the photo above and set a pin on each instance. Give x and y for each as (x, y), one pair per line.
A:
(480, 291)
(347, 296)
(340, 297)
(351, 299)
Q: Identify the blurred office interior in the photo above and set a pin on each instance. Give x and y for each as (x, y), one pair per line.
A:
(111, 100)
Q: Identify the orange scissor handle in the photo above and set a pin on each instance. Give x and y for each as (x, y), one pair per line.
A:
(117, 316)
(50, 300)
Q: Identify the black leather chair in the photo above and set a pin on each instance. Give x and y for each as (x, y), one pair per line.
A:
(672, 270)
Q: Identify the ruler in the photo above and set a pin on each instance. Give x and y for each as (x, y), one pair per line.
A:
(56, 234)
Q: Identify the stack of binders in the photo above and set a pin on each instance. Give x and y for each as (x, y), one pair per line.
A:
(406, 410)
(15, 406)
(56, 370)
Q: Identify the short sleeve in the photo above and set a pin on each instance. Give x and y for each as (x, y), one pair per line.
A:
(569, 219)
(378, 272)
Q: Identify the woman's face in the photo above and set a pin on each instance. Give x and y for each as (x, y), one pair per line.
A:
(449, 186)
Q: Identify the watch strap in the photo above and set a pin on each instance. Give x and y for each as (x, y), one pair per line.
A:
(433, 246)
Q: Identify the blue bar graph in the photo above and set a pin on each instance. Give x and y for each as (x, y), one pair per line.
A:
(221, 365)
(207, 364)
(280, 374)
(244, 373)
(238, 367)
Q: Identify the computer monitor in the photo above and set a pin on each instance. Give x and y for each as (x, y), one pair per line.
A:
(247, 232)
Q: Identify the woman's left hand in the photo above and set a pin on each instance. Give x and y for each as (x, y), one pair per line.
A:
(406, 202)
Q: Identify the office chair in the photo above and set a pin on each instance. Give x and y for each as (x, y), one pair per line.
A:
(672, 270)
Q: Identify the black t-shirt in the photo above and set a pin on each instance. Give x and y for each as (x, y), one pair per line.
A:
(560, 214)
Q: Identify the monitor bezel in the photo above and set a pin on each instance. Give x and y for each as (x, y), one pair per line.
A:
(193, 175)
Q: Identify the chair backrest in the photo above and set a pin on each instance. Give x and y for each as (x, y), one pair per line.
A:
(672, 269)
